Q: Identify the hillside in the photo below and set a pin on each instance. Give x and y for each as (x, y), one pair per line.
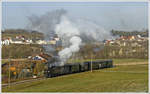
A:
(20, 50)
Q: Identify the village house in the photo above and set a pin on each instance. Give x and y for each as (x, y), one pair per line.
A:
(128, 37)
(41, 42)
(17, 41)
(28, 41)
(52, 42)
(38, 57)
(56, 38)
(6, 41)
(42, 56)
(20, 37)
(111, 42)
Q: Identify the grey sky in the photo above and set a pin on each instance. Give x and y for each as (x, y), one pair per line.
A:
(112, 15)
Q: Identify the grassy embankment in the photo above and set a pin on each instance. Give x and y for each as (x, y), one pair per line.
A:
(131, 78)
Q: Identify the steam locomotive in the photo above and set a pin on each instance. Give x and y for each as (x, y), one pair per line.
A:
(53, 71)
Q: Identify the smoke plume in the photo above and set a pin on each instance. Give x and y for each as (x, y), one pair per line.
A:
(46, 23)
(72, 32)
(70, 35)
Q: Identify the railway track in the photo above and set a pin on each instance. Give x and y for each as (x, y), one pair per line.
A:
(23, 81)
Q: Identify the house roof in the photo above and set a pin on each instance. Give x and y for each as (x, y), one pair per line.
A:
(45, 56)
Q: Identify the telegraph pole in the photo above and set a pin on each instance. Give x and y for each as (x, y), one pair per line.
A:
(9, 73)
(91, 62)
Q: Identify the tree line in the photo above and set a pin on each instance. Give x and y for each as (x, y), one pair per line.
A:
(132, 33)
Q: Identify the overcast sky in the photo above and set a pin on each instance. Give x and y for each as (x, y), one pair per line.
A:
(120, 16)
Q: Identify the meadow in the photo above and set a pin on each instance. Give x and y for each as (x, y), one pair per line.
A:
(120, 78)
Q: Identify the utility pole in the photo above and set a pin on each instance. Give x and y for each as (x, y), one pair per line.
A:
(9, 73)
(91, 62)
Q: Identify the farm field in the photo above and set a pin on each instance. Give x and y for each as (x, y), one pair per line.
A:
(126, 78)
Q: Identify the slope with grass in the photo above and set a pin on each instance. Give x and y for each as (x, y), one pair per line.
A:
(133, 78)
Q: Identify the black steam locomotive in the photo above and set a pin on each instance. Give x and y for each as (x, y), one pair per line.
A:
(53, 71)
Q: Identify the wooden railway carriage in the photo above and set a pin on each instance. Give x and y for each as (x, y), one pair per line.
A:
(77, 67)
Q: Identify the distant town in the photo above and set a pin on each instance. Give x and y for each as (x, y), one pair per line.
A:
(121, 40)
(20, 39)
(124, 43)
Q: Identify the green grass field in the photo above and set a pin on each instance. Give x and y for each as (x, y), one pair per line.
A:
(118, 61)
(131, 78)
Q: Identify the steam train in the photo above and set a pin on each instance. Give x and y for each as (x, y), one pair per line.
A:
(53, 71)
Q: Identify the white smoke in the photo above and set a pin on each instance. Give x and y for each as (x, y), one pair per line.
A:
(70, 35)
(92, 31)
